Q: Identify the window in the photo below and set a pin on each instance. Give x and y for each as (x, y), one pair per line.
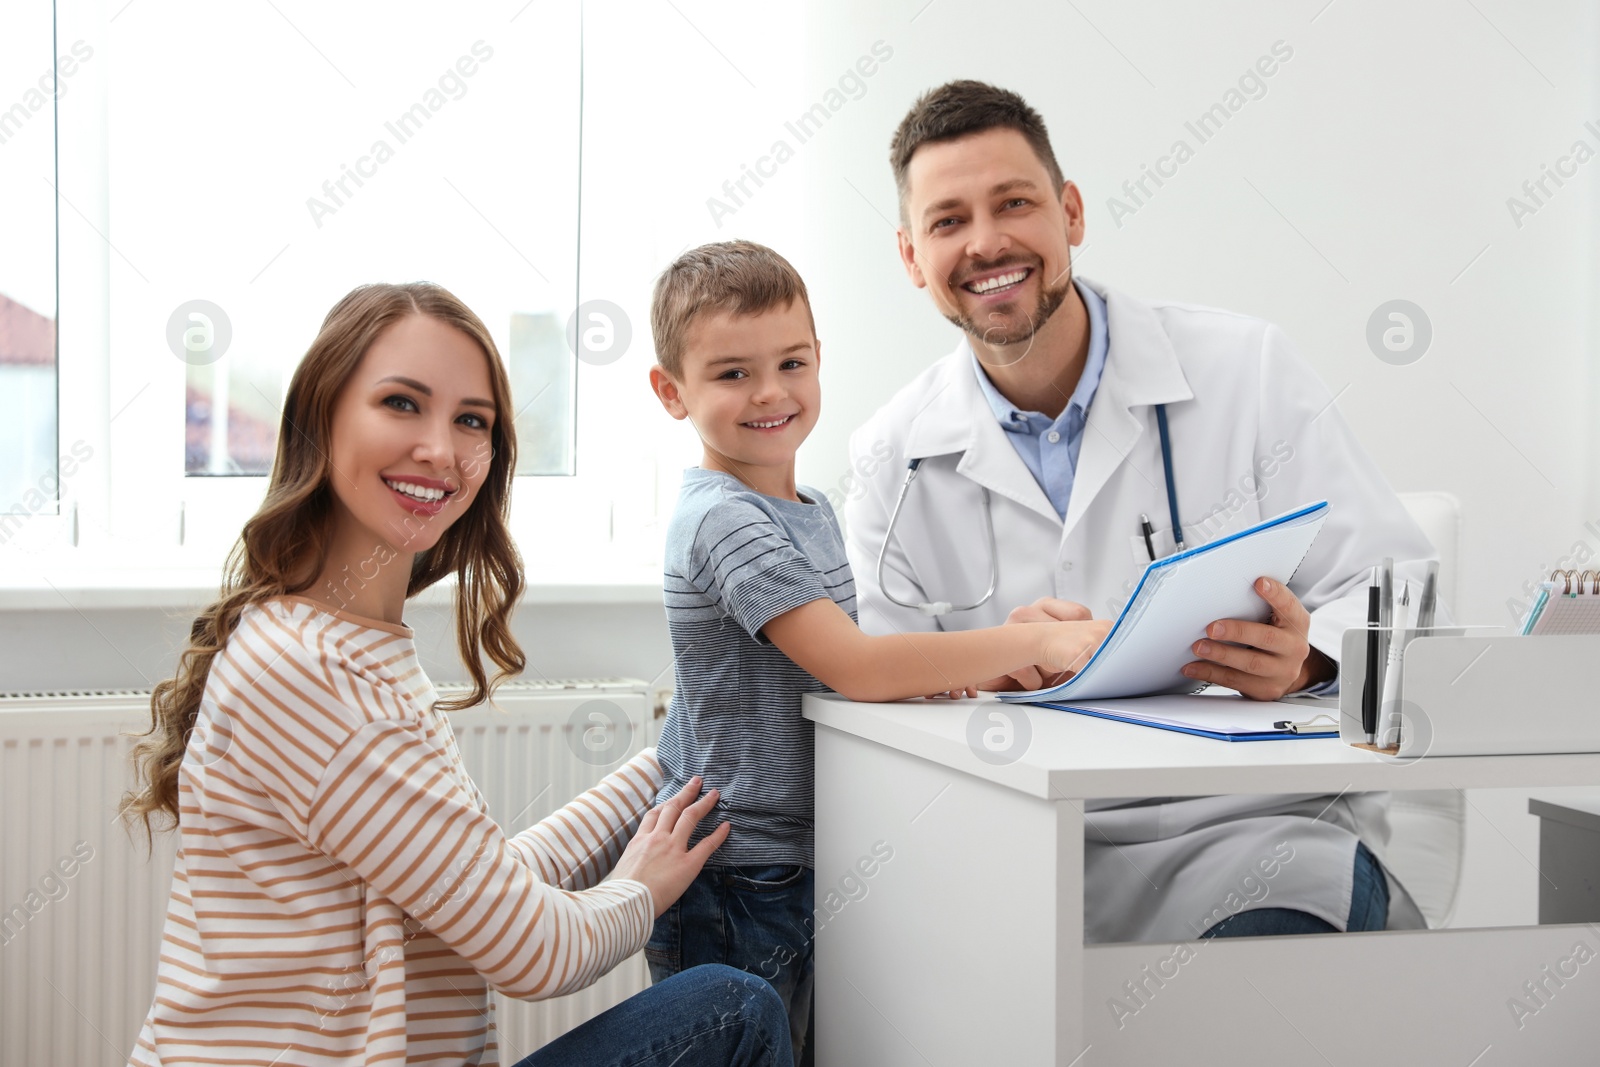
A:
(228, 172)
(29, 479)
(275, 158)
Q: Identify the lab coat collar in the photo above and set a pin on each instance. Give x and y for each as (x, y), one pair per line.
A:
(1142, 361)
(1141, 369)
(956, 419)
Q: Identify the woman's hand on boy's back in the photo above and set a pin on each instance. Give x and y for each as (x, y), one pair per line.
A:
(1067, 649)
(659, 854)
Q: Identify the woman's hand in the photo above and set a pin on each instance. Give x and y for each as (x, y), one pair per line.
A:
(659, 854)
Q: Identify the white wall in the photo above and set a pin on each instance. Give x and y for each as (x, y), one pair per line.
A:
(1376, 166)
(1390, 140)
(1387, 146)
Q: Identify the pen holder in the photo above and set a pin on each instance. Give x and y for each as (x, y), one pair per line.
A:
(1469, 691)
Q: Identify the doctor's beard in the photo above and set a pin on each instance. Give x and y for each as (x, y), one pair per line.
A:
(1050, 300)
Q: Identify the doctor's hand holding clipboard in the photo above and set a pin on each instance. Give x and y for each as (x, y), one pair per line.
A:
(1263, 661)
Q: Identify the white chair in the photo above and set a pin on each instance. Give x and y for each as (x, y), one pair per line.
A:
(1427, 829)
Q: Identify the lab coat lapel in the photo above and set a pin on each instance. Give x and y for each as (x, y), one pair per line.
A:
(957, 419)
(1141, 370)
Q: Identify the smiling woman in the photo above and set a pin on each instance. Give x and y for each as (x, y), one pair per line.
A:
(344, 429)
(342, 894)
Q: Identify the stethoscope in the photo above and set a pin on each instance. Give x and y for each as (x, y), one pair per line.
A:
(944, 607)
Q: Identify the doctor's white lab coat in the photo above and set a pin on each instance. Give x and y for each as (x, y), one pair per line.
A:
(1254, 433)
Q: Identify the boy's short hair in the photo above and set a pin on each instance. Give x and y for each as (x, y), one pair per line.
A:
(957, 109)
(737, 277)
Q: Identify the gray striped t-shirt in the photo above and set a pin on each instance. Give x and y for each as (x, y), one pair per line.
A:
(735, 560)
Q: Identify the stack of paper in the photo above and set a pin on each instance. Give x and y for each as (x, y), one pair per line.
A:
(1177, 598)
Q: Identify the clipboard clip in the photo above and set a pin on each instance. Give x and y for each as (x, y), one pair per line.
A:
(1316, 724)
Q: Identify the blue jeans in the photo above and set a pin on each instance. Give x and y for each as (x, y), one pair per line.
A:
(1369, 909)
(758, 919)
(706, 1015)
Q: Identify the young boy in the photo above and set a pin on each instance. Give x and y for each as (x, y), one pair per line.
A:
(761, 608)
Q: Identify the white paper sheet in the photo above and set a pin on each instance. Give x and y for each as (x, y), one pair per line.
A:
(1177, 598)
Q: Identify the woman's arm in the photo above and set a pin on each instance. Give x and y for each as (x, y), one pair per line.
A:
(823, 640)
(390, 808)
(576, 847)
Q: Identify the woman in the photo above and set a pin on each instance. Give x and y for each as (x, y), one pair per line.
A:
(341, 894)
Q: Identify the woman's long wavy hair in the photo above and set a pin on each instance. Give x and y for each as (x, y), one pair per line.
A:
(284, 546)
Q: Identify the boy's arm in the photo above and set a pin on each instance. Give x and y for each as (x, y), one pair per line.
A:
(823, 640)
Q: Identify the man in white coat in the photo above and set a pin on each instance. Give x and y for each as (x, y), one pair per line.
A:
(1045, 416)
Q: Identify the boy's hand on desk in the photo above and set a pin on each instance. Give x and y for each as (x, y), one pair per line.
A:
(659, 854)
(1040, 676)
(1069, 646)
(1262, 660)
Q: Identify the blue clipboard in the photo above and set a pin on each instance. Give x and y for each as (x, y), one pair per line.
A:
(1197, 731)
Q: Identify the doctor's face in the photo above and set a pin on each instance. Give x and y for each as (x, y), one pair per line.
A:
(989, 236)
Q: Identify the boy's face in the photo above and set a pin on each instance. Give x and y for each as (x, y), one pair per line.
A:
(749, 384)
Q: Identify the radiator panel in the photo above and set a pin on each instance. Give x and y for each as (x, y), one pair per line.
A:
(77, 962)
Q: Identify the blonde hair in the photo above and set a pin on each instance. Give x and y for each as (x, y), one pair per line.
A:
(738, 277)
(284, 546)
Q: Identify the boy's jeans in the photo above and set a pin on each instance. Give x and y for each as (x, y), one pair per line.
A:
(758, 919)
(705, 1017)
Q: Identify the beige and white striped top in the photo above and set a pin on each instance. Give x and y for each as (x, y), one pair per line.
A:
(341, 894)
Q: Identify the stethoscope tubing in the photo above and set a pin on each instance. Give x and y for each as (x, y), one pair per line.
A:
(944, 607)
(939, 607)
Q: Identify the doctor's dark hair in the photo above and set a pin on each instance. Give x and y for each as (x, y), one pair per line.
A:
(284, 546)
(736, 277)
(960, 109)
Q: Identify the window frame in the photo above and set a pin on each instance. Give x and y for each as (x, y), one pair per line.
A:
(117, 517)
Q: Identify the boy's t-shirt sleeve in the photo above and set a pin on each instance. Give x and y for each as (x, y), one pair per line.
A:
(747, 564)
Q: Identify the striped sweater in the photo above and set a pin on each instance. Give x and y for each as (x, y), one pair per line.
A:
(341, 894)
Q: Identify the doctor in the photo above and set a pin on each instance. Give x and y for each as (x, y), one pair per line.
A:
(1046, 423)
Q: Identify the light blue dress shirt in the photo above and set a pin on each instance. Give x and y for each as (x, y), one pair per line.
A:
(1049, 448)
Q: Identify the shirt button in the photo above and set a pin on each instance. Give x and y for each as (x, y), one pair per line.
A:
(1066, 564)
(1053, 436)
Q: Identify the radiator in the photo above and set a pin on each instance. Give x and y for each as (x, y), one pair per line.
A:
(82, 904)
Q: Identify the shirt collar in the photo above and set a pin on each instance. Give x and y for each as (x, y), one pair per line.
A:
(1012, 418)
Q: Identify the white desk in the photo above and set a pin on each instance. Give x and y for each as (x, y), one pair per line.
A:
(967, 946)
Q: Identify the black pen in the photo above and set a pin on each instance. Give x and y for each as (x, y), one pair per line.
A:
(1369, 692)
(1149, 532)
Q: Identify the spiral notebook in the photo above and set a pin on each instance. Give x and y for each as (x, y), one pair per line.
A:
(1177, 598)
(1568, 604)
